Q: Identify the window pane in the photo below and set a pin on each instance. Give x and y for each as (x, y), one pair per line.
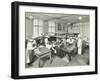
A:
(52, 29)
(49, 29)
(40, 29)
(37, 27)
(35, 22)
(40, 22)
(52, 26)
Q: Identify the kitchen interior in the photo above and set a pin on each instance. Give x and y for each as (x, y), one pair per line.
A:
(56, 40)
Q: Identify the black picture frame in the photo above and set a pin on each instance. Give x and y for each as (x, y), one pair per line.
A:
(15, 39)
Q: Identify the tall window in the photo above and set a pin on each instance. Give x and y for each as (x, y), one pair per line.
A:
(37, 27)
(52, 26)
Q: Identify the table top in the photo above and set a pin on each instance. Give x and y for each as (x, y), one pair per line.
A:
(43, 50)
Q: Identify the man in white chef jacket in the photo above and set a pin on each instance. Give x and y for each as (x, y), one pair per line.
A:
(30, 49)
(79, 45)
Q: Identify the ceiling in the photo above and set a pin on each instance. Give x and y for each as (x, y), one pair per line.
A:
(69, 18)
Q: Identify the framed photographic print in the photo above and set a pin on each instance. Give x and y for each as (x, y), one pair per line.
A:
(50, 40)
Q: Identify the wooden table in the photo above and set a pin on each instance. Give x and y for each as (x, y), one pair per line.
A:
(44, 52)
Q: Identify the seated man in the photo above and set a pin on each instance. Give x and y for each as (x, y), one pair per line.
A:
(48, 45)
(53, 49)
(69, 47)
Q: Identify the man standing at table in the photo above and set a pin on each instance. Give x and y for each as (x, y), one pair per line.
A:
(79, 45)
(30, 48)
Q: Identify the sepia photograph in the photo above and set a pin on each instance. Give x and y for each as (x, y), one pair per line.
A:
(56, 40)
